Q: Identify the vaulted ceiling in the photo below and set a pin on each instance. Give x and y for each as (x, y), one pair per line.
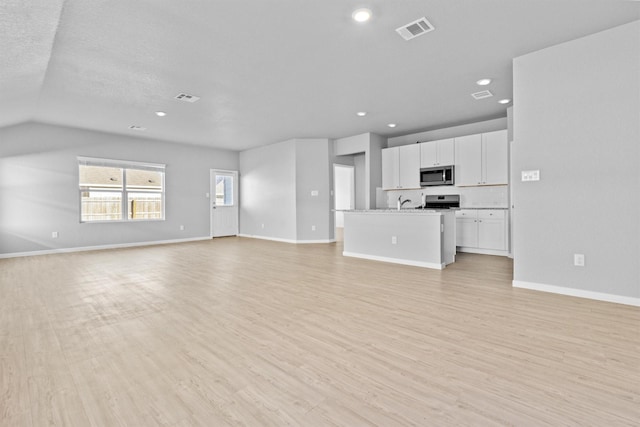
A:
(266, 71)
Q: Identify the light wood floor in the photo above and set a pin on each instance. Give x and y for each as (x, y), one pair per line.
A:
(247, 332)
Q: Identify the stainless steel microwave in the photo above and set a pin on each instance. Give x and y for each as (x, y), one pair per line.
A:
(441, 175)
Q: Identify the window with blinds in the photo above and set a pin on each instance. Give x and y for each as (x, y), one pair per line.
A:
(116, 190)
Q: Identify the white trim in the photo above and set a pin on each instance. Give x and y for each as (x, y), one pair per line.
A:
(100, 247)
(130, 164)
(276, 239)
(482, 251)
(396, 260)
(580, 293)
(236, 198)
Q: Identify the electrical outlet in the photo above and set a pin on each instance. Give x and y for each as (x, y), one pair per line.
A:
(54, 234)
(181, 227)
(394, 240)
(314, 192)
(206, 195)
(531, 175)
(262, 225)
(313, 228)
(578, 260)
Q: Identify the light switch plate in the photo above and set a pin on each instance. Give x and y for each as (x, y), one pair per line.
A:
(531, 175)
(314, 192)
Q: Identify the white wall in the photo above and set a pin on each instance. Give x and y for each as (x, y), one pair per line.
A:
(268, 191)
(362, 189)
(367, 151)
(276, 183)
(39, 188)
(374, 167)
(577, 120)
(313, 174)
(450, 132)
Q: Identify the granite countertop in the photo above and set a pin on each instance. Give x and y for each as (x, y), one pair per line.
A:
(483, 207)
(408, 211)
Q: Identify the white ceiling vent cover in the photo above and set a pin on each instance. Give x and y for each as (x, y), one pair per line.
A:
(415, 29)
(482, 94)
(187, 98)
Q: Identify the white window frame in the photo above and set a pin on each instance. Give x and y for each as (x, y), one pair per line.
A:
(123, 164)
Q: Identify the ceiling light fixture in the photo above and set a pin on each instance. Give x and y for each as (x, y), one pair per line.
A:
(483, 82)
(504, 101)
(361, 113)
(361, 15)
(392, 125)
(160, 113)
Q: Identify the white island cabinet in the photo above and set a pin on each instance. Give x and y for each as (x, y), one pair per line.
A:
(412, 237)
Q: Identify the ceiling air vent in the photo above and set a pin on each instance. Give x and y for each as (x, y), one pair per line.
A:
(134, 127)
(415, 29)
(482, 94)
(187, 98)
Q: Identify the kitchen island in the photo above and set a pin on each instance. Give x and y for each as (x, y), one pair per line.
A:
(422, 238)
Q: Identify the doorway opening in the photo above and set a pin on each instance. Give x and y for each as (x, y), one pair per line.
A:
(224, 203)
(344, 195)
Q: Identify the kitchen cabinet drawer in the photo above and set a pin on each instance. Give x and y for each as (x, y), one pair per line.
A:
(467, 213)
(491, 214)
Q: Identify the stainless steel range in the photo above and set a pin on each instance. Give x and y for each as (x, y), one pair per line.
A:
(446, 201)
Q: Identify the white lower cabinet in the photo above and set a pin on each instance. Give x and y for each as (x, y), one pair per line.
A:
(482, 231)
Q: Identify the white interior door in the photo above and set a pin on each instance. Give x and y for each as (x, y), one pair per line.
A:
(224, 203)
(343, 191)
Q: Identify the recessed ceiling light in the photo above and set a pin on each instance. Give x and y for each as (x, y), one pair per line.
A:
(161, 113)
(361, 113)
(504, 101)
(392, 125)
(361, 15)
(483, 82)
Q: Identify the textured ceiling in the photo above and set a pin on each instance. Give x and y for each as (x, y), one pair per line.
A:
(267, 71)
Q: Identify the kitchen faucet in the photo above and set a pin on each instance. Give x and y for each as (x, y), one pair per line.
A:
(401, 203)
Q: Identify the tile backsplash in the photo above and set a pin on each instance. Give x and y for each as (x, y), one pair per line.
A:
(494, 196)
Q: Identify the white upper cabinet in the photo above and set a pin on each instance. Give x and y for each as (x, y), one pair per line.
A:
(437, 153)
(468, 169)
(401, 167)
(495, 162)
(390, 171)
(409, 166)
(482, 159)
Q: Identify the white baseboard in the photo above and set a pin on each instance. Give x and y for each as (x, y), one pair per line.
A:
(100, 247)
(482, 251)
(395, 260)
(276, 239)
(600, 296)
